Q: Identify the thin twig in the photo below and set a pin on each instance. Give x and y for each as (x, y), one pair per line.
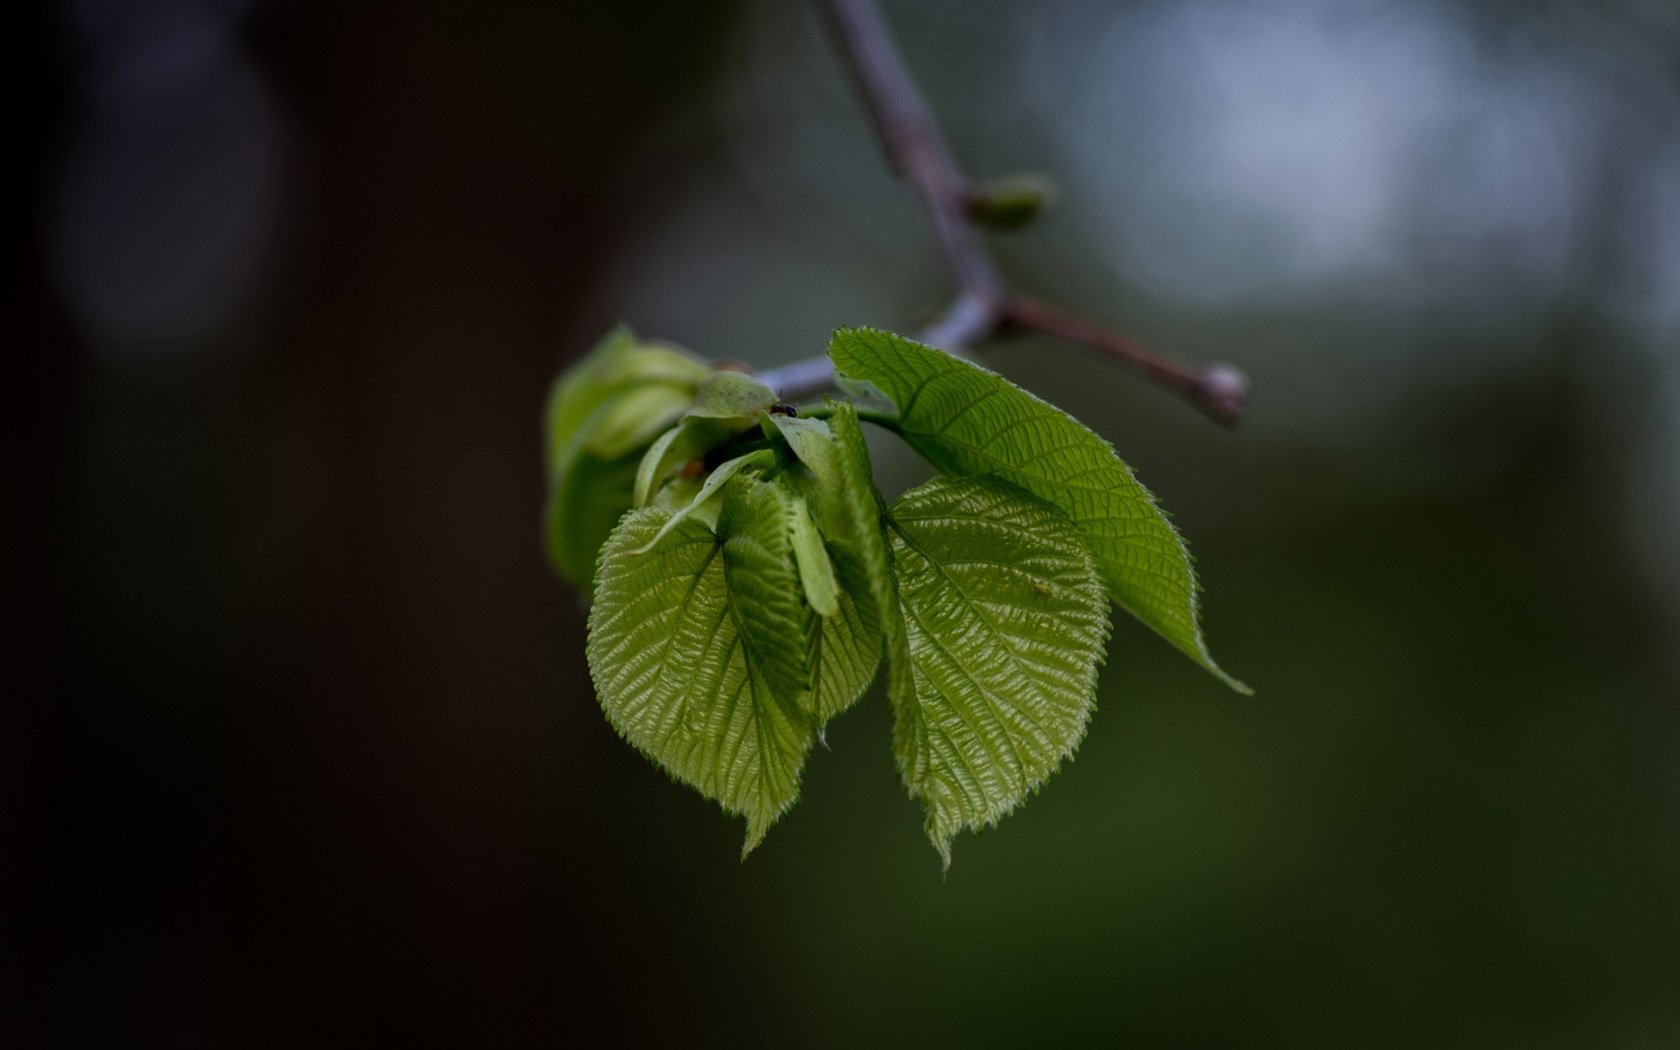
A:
(913, 144)
(984, 306)
(1219, 390)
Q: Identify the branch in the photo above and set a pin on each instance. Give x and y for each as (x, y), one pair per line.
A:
(913, 144)
(984, 306)
(1218, 390)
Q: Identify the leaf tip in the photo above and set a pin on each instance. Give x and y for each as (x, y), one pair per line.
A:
(757, 827)
(1230, 681)
(942, 845)
(1235, 684)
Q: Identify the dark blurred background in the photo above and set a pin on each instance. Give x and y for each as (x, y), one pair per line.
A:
(306, 747)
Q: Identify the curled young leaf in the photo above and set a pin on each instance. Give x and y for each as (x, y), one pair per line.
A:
(630, 421)
(726, 404)
(600, 412)
(840, 495)
(732, 396)
(618, 363)
(764, 588)
(812, 442)
(714, 483)
(816, 570)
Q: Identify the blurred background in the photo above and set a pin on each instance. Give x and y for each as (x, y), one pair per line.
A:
(318, 757)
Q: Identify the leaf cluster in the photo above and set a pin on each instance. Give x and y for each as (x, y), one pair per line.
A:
(752, 583)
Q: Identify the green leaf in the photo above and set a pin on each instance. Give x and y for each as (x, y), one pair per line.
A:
(635, 418)
(764, 587)
(723, 407)
(812, 442)
(690, 439)
(1005, 623)
(599, 413)
(844, 656)
(668, 656)
(678, 493)
(841, 648)
(713, 484)
(840, 490)
(841, 496)
(966, 420)
(618, 363)
(733, 396)
(583, 505)
(816, 570)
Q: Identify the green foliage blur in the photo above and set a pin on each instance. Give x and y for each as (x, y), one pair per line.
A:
(319, 759)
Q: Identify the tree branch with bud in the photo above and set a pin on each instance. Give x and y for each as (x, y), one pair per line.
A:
(984, 306)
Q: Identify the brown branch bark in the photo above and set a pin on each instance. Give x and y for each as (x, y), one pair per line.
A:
(913, 143)
(984, 306)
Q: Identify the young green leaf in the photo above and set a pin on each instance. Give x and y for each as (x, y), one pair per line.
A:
(635, 418)
(599, 412)
(726, 404)
(713, 484)
(968, 421)
(845, 646)
(619, 362)
(584, 503)
(1005, 623)
(690, 439)
(840, 649)
(665, 457)
(816, 571)
(840, 492)
(733, 396)
(667, 654)
(764, 589)
(845, 653)
(812, 443)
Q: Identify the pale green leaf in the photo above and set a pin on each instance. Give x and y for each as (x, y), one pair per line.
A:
(816, 571)
(812, 442)
(713, 484)
(688, 440)
(733, 396)
(617, 363)
(968, 421)
(635, 418)
(575, 395)
(582, 506)
(845, 653)
(659, 462)
(840, 492)
(722, 408)
(599, 412)
(1005, 622)
(858, 543)
(666, 654)
(678, 493)
(764, 589)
